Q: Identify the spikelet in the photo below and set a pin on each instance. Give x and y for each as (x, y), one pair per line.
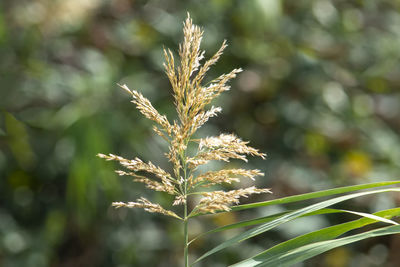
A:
(202, 117)
(179, 200)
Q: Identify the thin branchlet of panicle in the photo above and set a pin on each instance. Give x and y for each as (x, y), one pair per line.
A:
(149, 183)
(179, 200)
(222, 147)
(137, 165)
(229, 141)
(202, 117)
(203, 70)
(224, 176)
(147, 109)
(218, 154)
(206, 94)
(169, 66)
(221, 200)
(147, 206)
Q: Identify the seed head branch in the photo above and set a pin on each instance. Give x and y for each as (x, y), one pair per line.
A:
(147, 206)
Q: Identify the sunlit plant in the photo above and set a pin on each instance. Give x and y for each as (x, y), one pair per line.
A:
(187, 183)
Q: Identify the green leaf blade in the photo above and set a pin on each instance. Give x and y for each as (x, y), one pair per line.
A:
(288, 217)
(262, 220)
(318, 194)
(316, 236)
(311, 250)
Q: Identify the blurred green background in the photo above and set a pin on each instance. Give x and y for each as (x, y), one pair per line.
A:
(319, 94)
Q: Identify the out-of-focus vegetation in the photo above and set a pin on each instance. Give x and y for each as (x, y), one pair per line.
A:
(320, 94)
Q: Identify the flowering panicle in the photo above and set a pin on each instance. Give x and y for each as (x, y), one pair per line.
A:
(191, 98)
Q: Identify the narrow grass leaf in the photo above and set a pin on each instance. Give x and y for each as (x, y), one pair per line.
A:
(308, 251)
(288, 217)
(323, 193)
(371, 216)
(262, 220)
(328, 233)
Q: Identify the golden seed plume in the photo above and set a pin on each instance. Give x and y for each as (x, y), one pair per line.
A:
(191, 98)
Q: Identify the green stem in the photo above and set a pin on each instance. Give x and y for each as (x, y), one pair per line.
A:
(186, 237)
(185, 212)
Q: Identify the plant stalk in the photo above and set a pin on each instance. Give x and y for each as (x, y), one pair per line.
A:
(185, 211)
(186, 237)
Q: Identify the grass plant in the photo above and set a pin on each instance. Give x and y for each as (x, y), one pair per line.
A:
(188, 184)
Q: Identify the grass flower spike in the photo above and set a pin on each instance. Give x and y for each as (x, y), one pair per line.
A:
(191, 99)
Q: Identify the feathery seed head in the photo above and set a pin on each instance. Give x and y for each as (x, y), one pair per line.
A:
(191, 98)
